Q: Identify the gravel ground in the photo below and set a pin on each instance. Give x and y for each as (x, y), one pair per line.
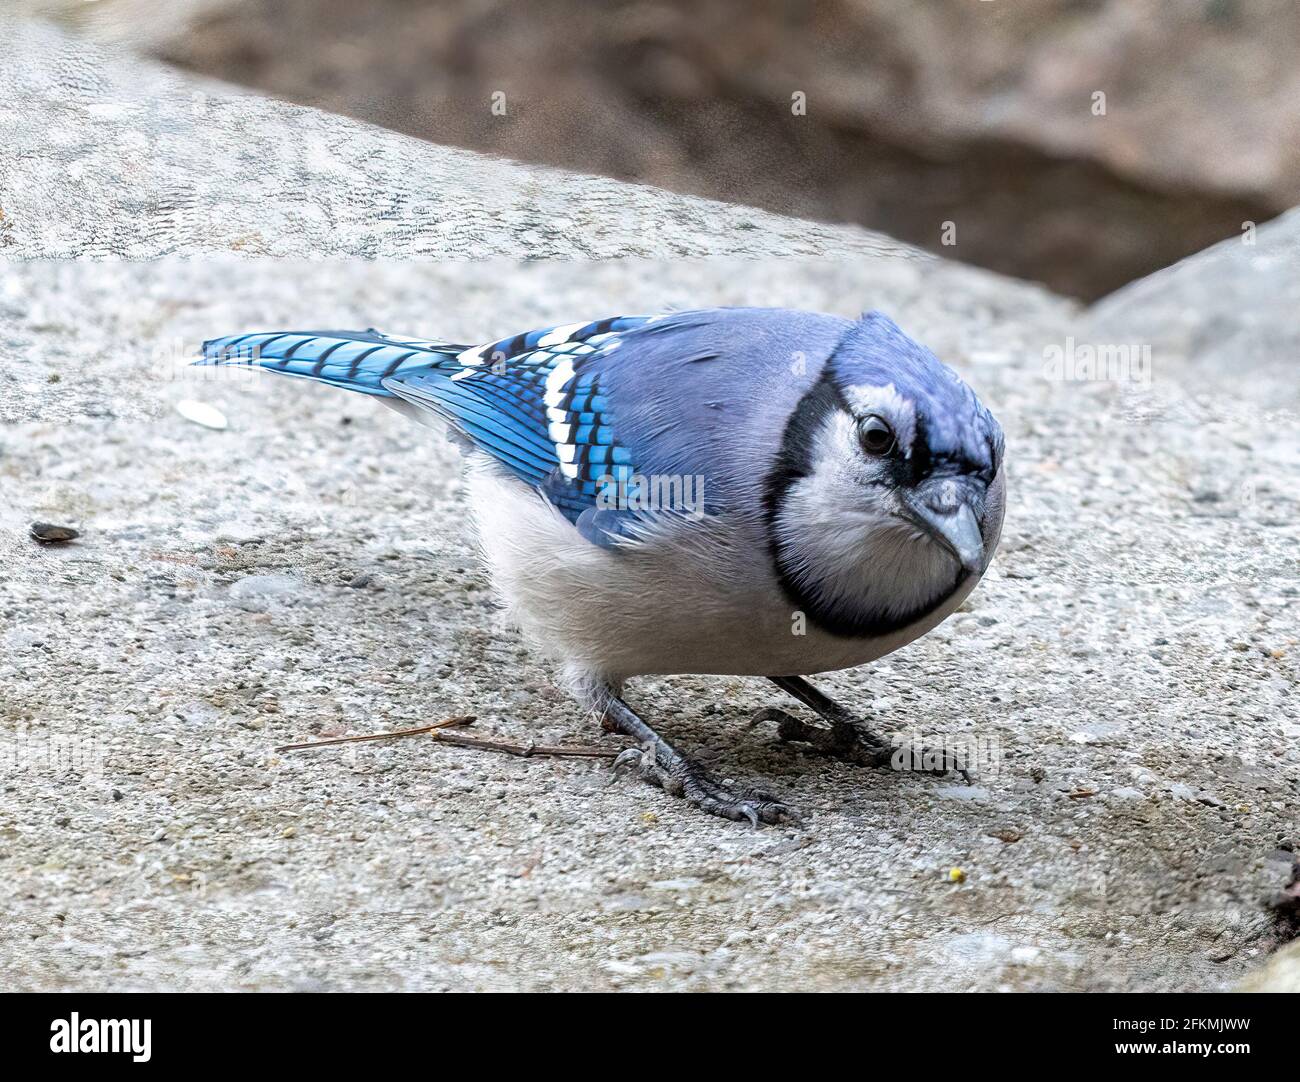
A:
(1127, 670)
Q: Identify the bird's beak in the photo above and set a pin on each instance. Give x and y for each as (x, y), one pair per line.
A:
(948, 510)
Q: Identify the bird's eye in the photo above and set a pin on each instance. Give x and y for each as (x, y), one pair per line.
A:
(876, 436)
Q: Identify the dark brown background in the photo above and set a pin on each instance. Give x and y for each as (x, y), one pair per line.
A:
(977, 112)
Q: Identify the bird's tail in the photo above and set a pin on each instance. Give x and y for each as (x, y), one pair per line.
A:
(357, 360)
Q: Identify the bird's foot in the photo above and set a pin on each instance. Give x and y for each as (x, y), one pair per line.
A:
(849, 739)
(840, 739)
(659, 763)
(679, 776)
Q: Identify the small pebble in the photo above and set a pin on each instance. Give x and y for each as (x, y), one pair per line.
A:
(47, 533)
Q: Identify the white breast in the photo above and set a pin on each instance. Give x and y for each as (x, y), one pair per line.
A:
(701, 598)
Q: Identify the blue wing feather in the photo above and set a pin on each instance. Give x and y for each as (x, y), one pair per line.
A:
(532, 401)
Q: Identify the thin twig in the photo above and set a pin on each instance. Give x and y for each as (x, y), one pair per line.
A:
(524, 751)
(447, 723)
(439, 731)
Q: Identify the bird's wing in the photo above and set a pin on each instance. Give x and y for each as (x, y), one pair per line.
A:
(615, 408)
(534, 403)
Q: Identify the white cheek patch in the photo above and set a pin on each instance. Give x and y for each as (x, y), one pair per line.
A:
(835, 446)
(838, 462)
(838, 493)
(889, 404)
(842, 538)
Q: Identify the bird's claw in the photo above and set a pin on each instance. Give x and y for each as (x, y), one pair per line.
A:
(844, 740)
(853, 741)
(627, 757)
(685, 778)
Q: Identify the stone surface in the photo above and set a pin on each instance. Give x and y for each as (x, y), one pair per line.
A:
(309, 572)
(1126, 674)
(1225, 317)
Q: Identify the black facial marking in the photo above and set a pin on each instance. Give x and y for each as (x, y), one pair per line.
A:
(794, 462)
(794, 459)
(925, 463)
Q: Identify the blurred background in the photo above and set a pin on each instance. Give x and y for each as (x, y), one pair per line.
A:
(1079, 143)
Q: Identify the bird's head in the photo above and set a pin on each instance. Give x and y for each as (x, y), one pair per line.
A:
(888, 491)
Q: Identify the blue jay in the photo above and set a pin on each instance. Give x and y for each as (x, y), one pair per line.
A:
(740, 491)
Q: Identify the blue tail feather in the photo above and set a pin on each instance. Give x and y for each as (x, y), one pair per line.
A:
(357, 360)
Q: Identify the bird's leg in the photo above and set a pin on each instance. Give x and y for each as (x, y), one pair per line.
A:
(659, 763)
(847, 736)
